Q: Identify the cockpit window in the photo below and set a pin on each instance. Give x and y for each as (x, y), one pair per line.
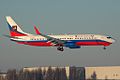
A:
(109, 37)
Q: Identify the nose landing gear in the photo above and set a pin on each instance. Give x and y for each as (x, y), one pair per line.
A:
(104, 48)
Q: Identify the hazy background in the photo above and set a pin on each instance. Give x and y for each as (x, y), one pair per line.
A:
(58, 17)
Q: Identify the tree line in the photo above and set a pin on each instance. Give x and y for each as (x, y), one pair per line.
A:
(50, 74)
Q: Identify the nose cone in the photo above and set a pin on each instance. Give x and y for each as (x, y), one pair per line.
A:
(113, 40)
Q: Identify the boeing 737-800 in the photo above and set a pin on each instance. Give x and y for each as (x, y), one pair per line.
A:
(74, 41)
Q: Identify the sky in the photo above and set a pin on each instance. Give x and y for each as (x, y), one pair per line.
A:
(59, 17)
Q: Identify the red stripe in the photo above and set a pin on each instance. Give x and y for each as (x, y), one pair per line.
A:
(36, 43)
(77, 43)
(93, 43)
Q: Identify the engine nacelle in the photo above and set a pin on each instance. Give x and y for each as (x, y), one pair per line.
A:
(72, 45)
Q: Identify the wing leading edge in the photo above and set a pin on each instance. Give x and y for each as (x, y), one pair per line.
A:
(49, 38)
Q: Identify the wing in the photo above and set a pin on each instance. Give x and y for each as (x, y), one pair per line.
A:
(49, 38)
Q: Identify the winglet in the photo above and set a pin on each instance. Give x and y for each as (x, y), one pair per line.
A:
(36, 30)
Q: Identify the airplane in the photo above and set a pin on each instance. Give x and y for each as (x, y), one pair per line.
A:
(71, 41)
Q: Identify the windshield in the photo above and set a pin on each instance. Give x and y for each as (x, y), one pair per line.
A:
(109, 37)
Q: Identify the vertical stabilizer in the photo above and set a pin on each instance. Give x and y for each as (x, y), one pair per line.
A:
(15, 30)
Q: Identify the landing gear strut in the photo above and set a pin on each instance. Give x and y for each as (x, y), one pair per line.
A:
(60, 48)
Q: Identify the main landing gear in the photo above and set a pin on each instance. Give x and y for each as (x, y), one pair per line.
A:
(60, 48)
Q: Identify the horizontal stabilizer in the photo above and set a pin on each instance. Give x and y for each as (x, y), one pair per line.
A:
(11, 37)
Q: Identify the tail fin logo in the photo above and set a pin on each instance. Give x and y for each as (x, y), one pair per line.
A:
(14, 28)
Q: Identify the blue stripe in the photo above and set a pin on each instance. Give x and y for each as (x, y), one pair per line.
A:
(9, 26)
(69, 41)
(87, 41)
